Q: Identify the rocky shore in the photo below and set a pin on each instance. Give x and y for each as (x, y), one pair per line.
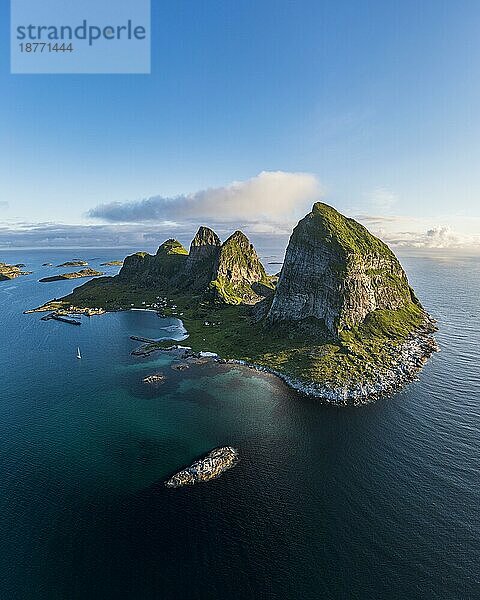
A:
(212, 466)
(407, 360)
(74, 263)
(74, 275)
(8, 272)
(60, 308)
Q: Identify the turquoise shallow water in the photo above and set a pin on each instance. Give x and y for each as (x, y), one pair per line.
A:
(379, 501)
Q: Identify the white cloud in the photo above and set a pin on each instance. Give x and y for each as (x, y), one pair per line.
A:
(272, 196)
(443, 237)
(413, 232)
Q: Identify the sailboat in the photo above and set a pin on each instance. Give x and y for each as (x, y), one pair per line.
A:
(78, 353)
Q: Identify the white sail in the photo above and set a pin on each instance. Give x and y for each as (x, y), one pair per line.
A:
(78, 353)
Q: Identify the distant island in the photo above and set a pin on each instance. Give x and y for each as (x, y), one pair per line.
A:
(74, 263)
(340, 322)
(112, 263)
(74, 275)
(8, 272)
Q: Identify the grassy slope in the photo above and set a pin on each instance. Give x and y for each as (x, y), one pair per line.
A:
(347, 234)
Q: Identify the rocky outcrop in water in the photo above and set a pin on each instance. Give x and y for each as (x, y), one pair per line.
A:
(75, 275)
(74, 263)
(8, 272)
(212, 466)
(337, 272)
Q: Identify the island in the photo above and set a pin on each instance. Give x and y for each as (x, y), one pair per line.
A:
(212, 466)
(112, 263)
(8, 272)
(74, 263)
(75, 275)
(340, 322)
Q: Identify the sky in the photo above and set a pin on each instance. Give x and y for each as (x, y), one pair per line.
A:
(252, 111)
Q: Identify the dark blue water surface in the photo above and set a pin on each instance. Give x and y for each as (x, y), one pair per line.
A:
(379, 501)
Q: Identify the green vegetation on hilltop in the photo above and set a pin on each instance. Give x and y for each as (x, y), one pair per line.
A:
(172, 246)
(347, 234)
(238, 271)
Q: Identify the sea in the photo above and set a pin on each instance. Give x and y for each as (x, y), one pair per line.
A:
(372, 502)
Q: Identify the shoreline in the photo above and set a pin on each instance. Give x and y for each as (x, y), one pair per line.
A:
(410, 358)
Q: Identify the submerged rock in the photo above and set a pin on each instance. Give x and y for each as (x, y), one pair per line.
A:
(213, 465)
(180, 367)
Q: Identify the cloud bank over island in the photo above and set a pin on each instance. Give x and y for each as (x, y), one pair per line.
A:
(271, 196)
(266, 207)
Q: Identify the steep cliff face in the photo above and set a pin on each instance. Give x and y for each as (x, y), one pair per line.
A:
(203, 255)
(238, 271)
(143, 269)
(336, 271)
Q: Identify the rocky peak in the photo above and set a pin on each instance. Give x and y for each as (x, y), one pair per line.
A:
(236, 269)
(203, 253)
(238, 260)
(171, 246)
(205, 238)
(336, 271)
(231, 270)
(150, 271)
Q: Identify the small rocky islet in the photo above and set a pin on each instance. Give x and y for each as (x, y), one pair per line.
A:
(210, 467)
(74, 263)
(340, 322)
(8, 272)
(75, 275)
